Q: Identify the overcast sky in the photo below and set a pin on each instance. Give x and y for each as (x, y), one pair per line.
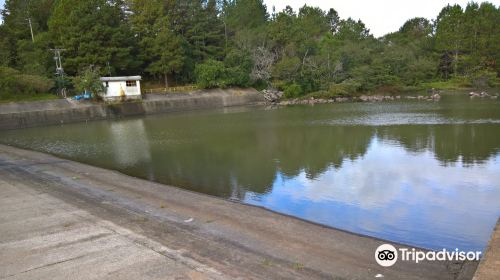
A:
(380, 16)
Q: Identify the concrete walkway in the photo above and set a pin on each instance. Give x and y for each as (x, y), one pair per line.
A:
(45, 238)
(65, 220)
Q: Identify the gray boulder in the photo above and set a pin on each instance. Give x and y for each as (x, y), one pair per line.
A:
(272, 95)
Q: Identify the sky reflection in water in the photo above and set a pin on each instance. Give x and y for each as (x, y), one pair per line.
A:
(392, 194)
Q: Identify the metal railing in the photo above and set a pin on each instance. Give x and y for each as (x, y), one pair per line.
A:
(169, 89)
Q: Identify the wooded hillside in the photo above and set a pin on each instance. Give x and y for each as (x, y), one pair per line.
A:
(218, 43)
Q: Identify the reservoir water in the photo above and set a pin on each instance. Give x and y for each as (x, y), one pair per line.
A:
(417, 172)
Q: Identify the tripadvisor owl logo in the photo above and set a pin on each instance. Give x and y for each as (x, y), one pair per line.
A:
(386, 255)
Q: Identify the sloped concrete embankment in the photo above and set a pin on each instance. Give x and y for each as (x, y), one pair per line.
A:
(489, 268)
(30, 114)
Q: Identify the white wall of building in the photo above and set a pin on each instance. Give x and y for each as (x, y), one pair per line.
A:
(114, 88)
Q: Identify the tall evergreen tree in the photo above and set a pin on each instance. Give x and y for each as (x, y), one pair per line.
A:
(245, 14)
(487, 36)
(167, 51)
(144, 15)
(449, 32)
(93, 32)
(23, 39)
(198, 23)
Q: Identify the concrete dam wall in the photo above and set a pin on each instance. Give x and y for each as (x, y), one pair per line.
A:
(30, 114)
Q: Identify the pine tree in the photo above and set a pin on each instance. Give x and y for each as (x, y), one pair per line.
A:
(198, 23)
(93, 32)
(449, 32)
(167, 49)
(144, 15)
(17, 48)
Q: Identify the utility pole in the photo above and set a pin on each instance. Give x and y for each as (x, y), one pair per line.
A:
(31, 29)
(57, 58)
(28, 9)
(59, 71)
(109, 69)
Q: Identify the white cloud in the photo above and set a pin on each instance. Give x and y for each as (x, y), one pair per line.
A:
(361, 182)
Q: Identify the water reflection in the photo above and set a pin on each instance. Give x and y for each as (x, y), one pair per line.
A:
(130, 143)
(466, 144)
(421, 173)
(412, 199)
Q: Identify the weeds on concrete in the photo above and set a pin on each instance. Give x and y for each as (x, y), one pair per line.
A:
(267, 262)
(297, 266)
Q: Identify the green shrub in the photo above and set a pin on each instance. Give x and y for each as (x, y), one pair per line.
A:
(337, 90)
(292, 91)
(347, 87)
(260, 85)
(238, 65)
(279, 84)
(12, 83)
(236, 76)
(89, 80)
(211, 74)
(216, 74)
(483, 79)
(455, 83)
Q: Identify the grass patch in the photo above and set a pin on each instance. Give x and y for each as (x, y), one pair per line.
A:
(141, 219)
(157, 87)
(6, 98)
(297, 266)
(267, 262)
(455, 83)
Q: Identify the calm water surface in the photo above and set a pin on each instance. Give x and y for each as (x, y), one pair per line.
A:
(422, 173)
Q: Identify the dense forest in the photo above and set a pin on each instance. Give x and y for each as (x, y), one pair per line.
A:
(220, 43)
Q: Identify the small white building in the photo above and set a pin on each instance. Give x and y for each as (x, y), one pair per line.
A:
(119, 88)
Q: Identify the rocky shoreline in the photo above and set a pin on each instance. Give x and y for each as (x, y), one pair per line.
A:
(276, 97)
(482, 94)
(362, 98)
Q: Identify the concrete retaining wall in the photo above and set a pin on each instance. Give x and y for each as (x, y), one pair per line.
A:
(29, 114)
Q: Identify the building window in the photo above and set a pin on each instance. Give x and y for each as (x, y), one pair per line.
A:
(107, 84)
(131, 83)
